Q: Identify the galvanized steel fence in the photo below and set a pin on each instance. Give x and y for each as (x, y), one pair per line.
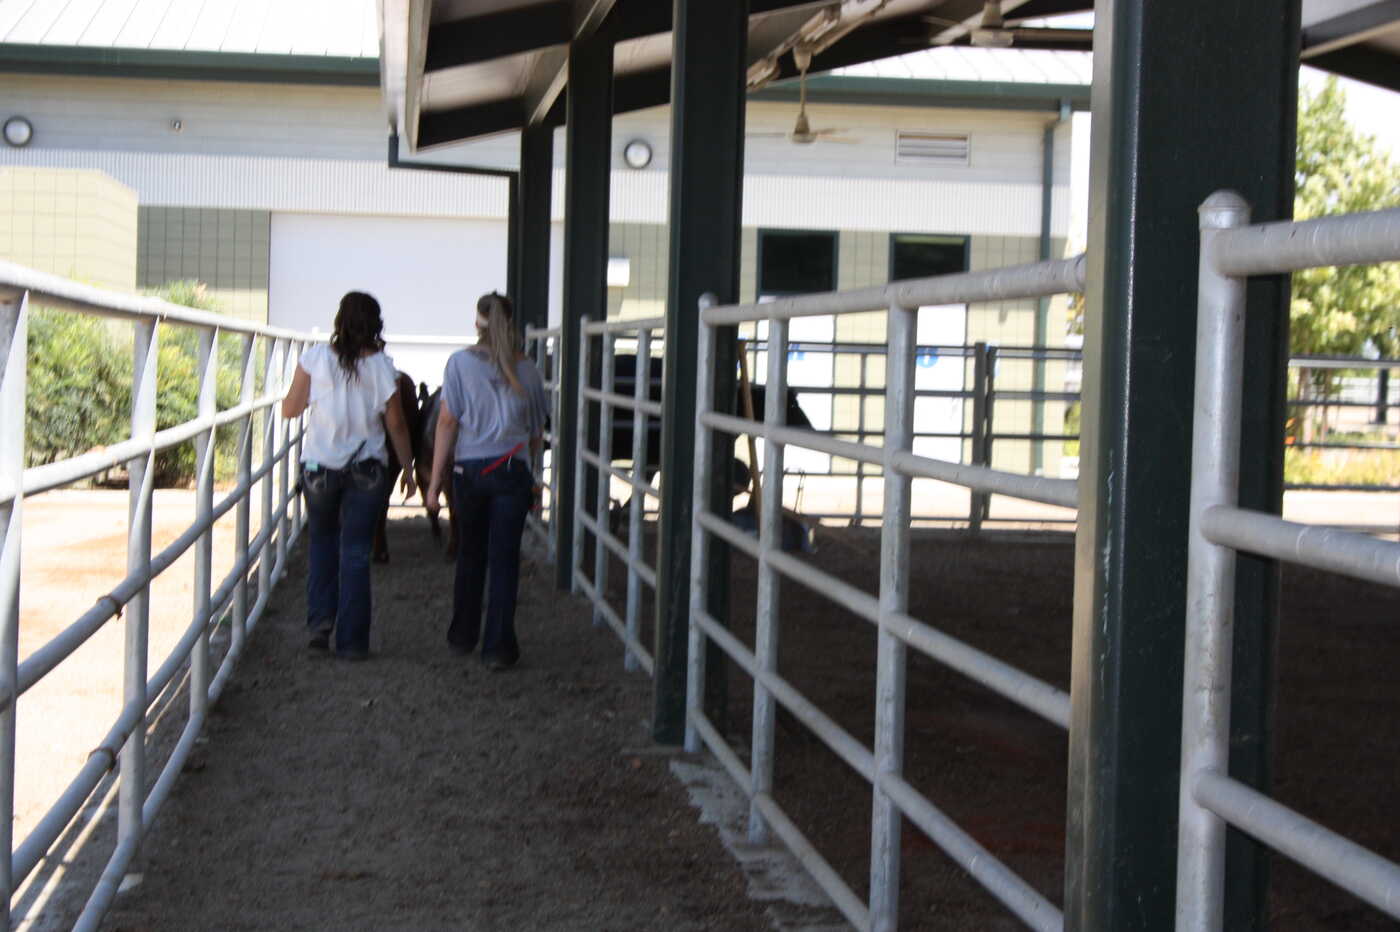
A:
(542, 345)
(596, 463)
(882, 765)
(973, 426)
(235, 605)
(1231, 251)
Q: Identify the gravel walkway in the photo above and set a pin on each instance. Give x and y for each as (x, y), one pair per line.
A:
(420, 791)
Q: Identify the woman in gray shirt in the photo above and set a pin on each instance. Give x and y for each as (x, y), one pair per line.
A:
(490, 423)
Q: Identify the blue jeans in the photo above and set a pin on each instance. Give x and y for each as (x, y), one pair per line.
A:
(493, 508)
(342, 506)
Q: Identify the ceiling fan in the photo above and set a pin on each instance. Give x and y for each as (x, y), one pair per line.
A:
(802, 133)
(991, 31)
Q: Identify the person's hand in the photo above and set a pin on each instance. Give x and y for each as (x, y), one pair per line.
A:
(406, 484)
(430, 498)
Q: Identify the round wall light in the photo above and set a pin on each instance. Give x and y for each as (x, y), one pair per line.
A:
(18, 131)
(637, 153)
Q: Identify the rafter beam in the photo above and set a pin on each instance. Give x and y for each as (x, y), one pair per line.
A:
(547, 81)
(1362, 64)
(1350, 28)
(441, 127)
(496, 35)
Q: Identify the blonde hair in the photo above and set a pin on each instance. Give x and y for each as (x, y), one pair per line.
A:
(498, 336)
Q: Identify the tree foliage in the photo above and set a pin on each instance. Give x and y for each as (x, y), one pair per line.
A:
(80, 373)
(1341, 170)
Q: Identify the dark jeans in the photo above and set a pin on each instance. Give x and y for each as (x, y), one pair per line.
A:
(493, 508)
(342, 506)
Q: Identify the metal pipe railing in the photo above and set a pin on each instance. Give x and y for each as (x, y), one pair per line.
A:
(1232, 250)
(126, 740)
(543, 343)
(883, 766)
(642, 409)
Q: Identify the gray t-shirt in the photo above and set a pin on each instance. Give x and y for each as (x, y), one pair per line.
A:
(492, 419)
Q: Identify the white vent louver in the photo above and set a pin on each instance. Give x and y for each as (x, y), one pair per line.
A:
(931, 148)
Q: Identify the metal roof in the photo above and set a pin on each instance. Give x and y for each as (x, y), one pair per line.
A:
(341, 28)
(461, 69)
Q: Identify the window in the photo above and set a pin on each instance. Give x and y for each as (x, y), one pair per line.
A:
(920, 255)
(796, 262)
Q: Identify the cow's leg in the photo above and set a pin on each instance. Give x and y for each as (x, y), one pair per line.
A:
(424, 473)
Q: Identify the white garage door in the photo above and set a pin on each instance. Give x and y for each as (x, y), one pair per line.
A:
(426, 274)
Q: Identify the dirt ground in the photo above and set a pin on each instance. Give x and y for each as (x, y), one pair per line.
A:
(417, 791)
(420, 791)
(1000, 772)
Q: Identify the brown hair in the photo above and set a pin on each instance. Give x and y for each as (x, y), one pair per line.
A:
(498, 336)
(358, 327)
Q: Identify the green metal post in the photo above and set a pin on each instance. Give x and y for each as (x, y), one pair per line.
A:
(707, 173)
(587, 169)
(536, 183)
(1189, 97)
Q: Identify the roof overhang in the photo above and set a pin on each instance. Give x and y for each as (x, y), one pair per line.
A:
(453, 70)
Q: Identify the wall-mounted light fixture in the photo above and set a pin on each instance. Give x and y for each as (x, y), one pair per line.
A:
(176, 125)
(637, 153)
(18, 131)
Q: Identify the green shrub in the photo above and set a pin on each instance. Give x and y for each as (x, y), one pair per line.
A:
(1341, 467)
(79, 394)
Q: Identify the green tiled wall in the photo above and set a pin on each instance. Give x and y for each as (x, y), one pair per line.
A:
(80, 224)
(227, 250)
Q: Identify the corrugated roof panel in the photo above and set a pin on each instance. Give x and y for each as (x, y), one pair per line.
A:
(959, 63)
(246, 29)
(141, 26)
(282, 25)
(77, 15)
(369, 30)
(11, 12)
(343, 30)
(34, 23)
(209, 30)
(348, 28)
(111, 18)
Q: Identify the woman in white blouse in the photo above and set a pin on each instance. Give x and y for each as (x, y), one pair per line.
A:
(349, 388)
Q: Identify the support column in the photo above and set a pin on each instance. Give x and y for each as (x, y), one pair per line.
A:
(513, 243)
(588, 164)
(707, 175)
(536, 189)
(1188, 98)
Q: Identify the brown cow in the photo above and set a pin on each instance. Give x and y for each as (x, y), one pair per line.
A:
(427, 438)
(413, 419)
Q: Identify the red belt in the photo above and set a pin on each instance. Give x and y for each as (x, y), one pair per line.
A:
(500, 462)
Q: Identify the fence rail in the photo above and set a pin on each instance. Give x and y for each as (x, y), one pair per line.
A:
(259, 561)
(881, 765)
(1232, 250)
(542, 344)
(596, 464)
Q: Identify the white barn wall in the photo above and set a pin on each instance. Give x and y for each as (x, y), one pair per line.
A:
(324, 148)
(293, 149)
(425, 273)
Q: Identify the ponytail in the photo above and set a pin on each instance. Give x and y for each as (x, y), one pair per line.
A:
(494, 319)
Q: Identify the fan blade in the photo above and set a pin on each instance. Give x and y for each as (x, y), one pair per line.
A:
(1050, 34)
